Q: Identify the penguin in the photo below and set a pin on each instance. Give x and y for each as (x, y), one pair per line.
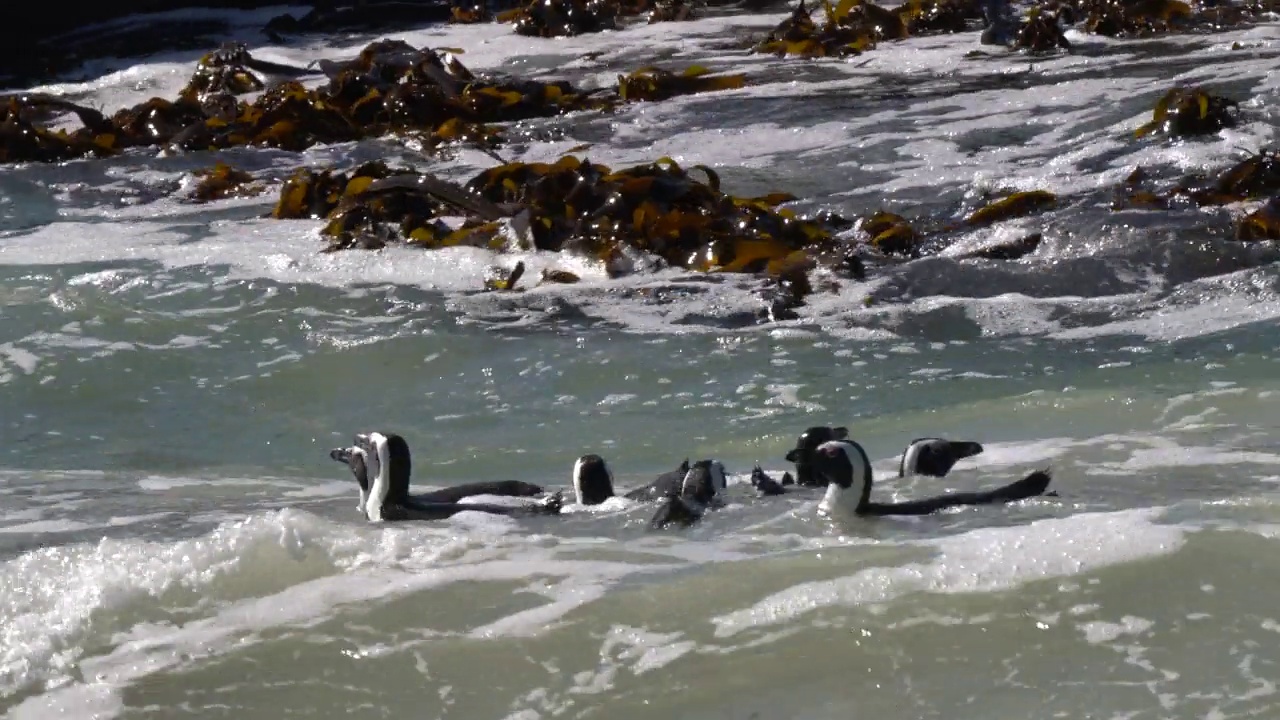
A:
(930, 457)
(699, 491)
(593, 482)
(802, 454)
(843, 464)
(381, 464)
(934, 457)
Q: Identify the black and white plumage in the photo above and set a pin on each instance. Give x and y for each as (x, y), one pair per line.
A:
(593, 482)
(699, 490)
(382, 465)
(847, 471)
(930, 457)
(934, 457)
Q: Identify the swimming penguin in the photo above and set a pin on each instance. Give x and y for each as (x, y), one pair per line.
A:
(454, 493)
(381, 464)
(845, 467)
(934, 457)
(806, 444)
(700, 487)
(593, 482)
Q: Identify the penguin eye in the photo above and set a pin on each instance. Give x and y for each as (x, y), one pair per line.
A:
(830, 451)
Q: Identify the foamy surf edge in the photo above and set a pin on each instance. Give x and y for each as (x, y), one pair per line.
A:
(330, 567)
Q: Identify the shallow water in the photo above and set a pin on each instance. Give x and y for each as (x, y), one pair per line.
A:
(175, 541)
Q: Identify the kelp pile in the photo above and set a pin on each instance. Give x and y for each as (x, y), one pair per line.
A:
(854, 26)
(565, 18)
(622, 218)
(1256, 177)
(573, 204)
(1147, 18)
(427, 96)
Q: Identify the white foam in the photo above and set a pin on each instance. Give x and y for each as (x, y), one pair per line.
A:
(19, 358)
(984, 560)
(401, 561)
(1099, 632)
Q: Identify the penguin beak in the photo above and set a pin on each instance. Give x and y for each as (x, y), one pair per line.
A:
(962, 450)
(342, 455)
(793, 455)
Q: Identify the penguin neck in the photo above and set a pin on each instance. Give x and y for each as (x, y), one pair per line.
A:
(856, 496)
(910, 461)
(381, 488)
(840, 500)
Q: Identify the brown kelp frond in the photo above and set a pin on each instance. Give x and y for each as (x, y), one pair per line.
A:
(1190, 111)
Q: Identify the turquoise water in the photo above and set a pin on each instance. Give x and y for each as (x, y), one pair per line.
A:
(175, 541)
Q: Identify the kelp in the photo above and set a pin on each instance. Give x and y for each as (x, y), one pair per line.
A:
(224, 70)
(928, 17)
(558, 277)
(659, 209)
(671, 11)
(470, 14)
(653, 83)
(1014, 205)
(648, 215)
(1133, 18)
(892, 234)
(787, 285)
(565, 18)
(1255, 177)
(23, 138)
(1040, 33)
(799, 35)
(1011, 250)
(562, 18)
(363, 16)
(223, 181)
(497, 277)
(1189, 111)
(425, 96)
(1261, 224)
(854, 26)
(1136, 191)
(1149, 18)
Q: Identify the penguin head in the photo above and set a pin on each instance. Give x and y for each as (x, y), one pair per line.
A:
(592, 480)
(806, 445)
(934, 457)
(355, 459)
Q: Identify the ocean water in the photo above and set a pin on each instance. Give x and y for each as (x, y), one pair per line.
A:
(175, 542)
